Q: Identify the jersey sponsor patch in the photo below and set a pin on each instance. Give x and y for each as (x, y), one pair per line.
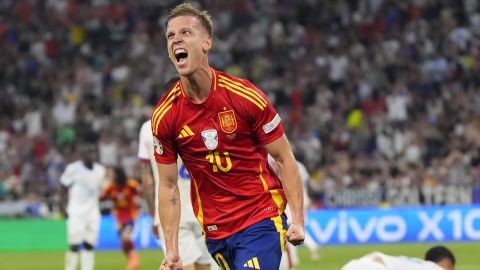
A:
(210, 138)
(270, 126)
(157, 146)
(228, 123)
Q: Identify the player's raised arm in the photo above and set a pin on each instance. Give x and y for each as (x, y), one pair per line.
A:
(281, 151)
(169, 213)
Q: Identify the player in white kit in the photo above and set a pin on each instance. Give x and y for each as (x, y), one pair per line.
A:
(84, 179)
(437, 258)
(192, 247)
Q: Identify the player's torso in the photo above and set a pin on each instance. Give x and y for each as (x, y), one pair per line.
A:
(214, 140)
(227, 164)
(84, 192)
(87, 181)
(123, 197)
(221, 144)
(124, 201)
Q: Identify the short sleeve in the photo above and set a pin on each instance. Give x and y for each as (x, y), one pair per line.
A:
(267, 124)
(143, 141)
(163, 144)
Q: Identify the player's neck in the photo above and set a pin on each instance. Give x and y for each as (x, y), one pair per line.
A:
(88, 164)
(198, 85)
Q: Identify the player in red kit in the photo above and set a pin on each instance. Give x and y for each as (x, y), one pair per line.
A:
(124, 193)
(223, 128)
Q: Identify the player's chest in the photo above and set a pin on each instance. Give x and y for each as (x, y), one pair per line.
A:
(209, 129)
(121, 194)
(89, 178)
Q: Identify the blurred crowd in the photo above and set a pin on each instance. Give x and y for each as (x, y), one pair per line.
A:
(373, 93)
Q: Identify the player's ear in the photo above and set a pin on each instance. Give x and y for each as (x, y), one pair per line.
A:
(207, 44)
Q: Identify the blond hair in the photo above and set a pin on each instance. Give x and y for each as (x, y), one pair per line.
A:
(187, 9)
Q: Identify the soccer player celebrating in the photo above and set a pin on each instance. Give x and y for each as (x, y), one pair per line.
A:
(194, 253)
(124, 193)
(83, 178)
(223, 128)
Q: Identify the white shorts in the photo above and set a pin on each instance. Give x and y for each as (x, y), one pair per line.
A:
(191, 243)
(83, 229)
(289, 257)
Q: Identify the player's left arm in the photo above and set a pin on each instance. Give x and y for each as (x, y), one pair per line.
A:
(281, 151)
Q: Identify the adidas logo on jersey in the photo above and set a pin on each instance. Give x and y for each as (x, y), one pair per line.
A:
(252, 263)
(185, 132)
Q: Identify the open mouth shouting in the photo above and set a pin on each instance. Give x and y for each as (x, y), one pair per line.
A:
(181, 56)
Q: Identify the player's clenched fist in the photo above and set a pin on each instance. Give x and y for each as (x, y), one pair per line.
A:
(171, 262)
(295, 234)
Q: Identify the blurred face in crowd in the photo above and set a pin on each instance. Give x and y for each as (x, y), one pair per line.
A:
(188, 44)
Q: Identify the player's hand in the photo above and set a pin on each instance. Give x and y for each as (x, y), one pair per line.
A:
(295, 234)
(155, 231)
(171, 262)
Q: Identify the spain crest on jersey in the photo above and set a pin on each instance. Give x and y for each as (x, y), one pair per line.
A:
(228, 123)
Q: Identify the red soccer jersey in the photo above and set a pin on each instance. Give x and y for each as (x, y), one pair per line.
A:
(125, 206)
(220, 142)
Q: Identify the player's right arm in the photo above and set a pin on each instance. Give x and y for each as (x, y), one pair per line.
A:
(169, 213)
(168, 192)
(68, 176)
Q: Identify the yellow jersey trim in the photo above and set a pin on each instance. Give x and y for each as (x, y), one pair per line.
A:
(280, 229)
(264, 183)
(164, 107)
(214, 74)
(246, 89)
(278, 199)
(242, 94)
(200, 209)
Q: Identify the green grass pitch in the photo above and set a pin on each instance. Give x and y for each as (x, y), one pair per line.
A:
(331, 257)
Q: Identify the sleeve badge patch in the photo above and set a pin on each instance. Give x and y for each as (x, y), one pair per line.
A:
(157, 146)
(270, 126)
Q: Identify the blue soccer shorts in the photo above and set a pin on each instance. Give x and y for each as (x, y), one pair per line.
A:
(259, 246)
